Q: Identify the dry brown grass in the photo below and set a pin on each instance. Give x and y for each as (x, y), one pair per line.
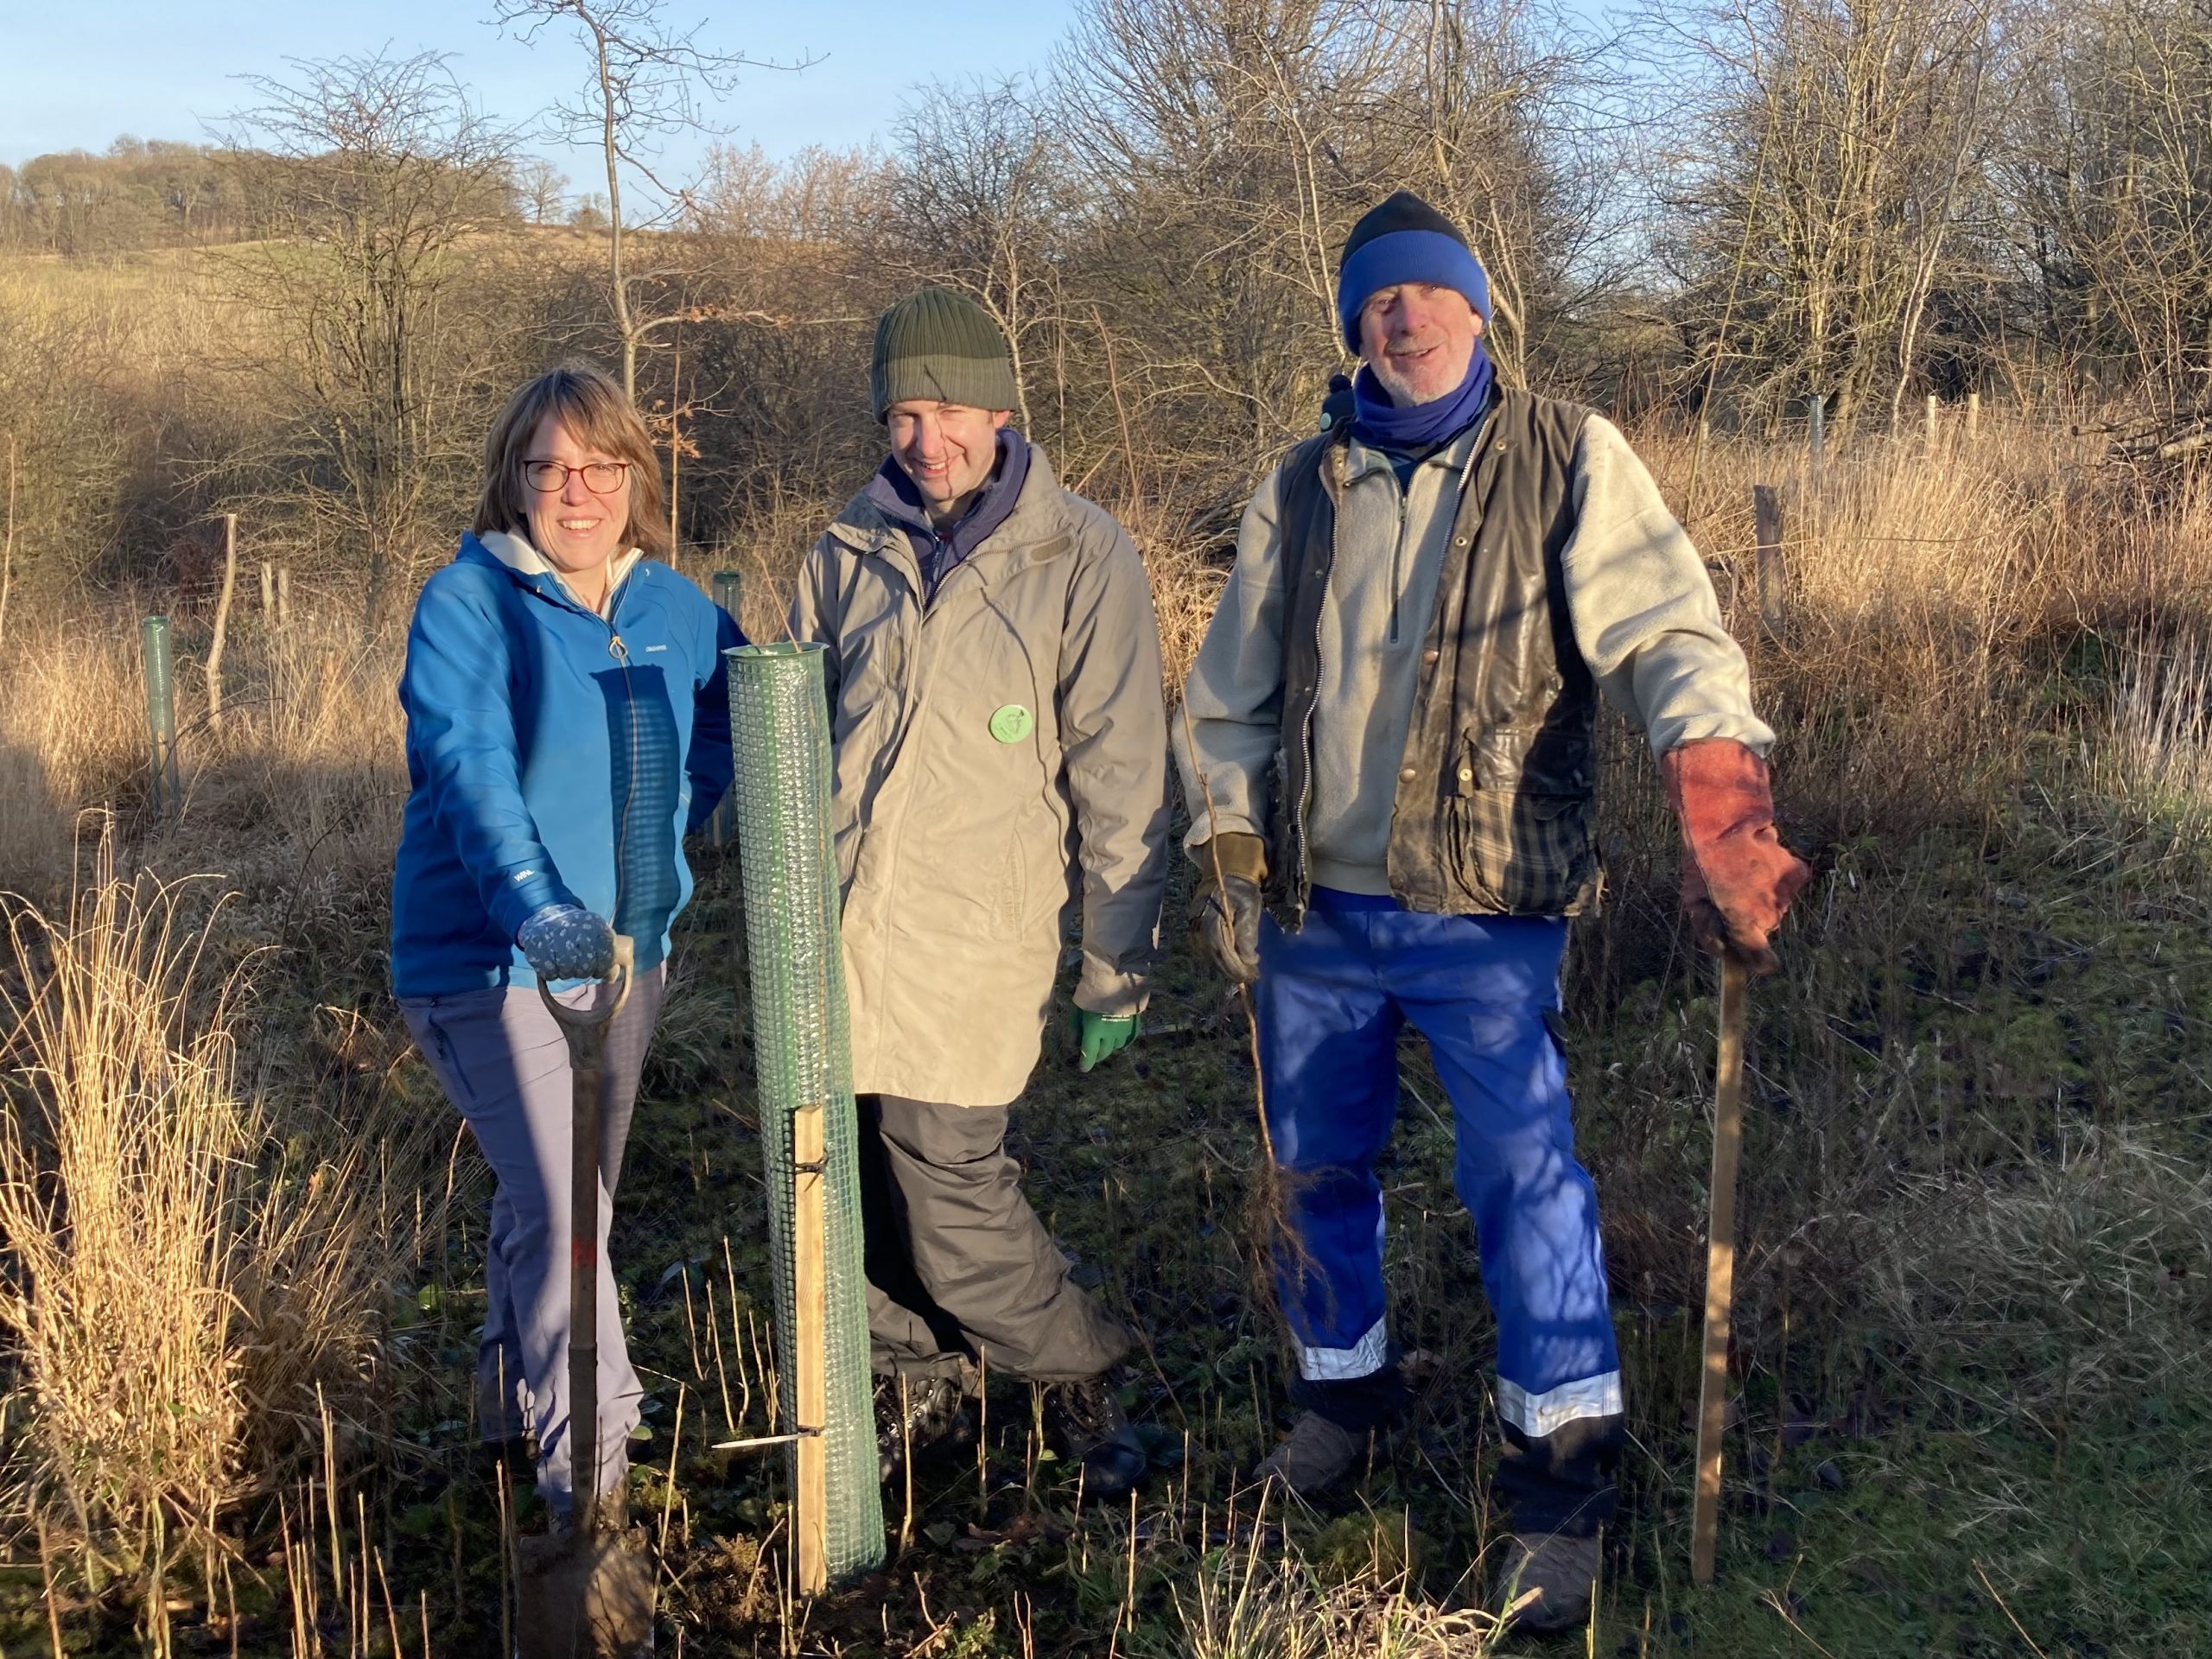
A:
(178, 1299)
(1958, 627)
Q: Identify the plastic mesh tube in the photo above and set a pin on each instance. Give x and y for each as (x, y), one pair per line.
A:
(780, 729)
(161, 713)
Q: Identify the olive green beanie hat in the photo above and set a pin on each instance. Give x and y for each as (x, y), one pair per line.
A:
(943, 346)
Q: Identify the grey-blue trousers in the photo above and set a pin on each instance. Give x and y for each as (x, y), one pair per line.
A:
(503, 1063)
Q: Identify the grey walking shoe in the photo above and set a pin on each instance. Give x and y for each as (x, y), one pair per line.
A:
(1562, 1571)
(1318, 1454)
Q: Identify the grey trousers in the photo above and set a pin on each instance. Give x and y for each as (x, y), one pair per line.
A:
(959, 1266)
(503, 1063)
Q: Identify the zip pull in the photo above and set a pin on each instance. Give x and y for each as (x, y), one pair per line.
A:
(616, 649)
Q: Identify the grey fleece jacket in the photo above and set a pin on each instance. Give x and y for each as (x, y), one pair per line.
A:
(1642, 609)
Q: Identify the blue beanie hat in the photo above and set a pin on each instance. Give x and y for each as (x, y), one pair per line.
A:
(1405, 241)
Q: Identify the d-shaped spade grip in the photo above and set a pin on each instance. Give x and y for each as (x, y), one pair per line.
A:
(585, 1029)
(577, 1023)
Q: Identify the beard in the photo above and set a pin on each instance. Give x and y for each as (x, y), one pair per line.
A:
(1437, 375)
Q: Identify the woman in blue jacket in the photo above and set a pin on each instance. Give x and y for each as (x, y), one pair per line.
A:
(567, 724)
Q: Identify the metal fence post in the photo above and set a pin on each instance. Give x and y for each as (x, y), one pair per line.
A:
(161, 715)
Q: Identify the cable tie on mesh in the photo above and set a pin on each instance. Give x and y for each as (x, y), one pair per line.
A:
(767, 1440)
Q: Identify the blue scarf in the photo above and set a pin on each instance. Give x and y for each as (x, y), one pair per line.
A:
(1376, 420)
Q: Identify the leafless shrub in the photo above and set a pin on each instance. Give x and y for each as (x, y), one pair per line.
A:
(373, 173)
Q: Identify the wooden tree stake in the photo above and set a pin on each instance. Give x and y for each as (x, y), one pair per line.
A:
(222, 622)
(810, 1327)
(1766, 515)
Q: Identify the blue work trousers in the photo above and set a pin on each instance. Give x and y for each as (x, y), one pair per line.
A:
(1332, 999)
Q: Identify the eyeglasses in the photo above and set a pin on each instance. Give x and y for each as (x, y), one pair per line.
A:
(600, 477)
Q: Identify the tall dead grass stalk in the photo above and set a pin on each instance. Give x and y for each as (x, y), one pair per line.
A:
(167, 1291)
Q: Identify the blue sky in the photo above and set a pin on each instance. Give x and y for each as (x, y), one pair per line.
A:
(75, 76)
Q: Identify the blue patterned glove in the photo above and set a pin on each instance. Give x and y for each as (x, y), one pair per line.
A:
(567, 942)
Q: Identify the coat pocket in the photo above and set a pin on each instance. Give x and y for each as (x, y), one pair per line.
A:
(1515, 849)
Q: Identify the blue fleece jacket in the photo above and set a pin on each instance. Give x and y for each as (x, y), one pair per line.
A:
(554, 757)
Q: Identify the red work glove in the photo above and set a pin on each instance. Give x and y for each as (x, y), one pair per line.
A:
(1738, 878)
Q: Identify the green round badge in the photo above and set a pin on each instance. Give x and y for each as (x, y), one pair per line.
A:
(1012, 723)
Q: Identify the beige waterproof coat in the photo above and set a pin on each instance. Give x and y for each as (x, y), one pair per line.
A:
(1001, 758)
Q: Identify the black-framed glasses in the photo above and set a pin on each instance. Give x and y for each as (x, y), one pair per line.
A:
(600, 477)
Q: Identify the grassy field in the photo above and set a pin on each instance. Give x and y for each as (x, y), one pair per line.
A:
(1973, 1353)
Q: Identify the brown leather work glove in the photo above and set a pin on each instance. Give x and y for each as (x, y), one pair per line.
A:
(1738, 878)
(1225, 912)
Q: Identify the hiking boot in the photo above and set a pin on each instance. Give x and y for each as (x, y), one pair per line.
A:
(1318, 1454)
(1563, 1572)
(1091, 1427)
(934, 1409)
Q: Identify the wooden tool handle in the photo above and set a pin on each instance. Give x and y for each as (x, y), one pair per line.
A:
(1719, 1267)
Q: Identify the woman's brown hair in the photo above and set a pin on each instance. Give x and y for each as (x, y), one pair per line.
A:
(599, 416)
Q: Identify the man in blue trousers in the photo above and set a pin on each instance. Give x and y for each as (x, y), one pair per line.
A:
(1390, 771)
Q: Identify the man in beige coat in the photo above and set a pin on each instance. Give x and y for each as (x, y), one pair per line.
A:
(1000, 758)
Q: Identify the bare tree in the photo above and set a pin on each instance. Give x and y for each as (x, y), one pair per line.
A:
(1833, 150)
(543, 188)
(2111, 172)
(977, 203)
(1226, 147)
(369, 173)
(647, 80)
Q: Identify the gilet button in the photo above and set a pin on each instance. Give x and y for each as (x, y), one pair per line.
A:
(1428, 658)
(1407, 776)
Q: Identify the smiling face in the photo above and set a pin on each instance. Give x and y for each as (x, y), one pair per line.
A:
(574, 528)
(947, 449)
(1418, 339)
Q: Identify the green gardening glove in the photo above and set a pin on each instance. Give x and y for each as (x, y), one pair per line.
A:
(1101, 1036)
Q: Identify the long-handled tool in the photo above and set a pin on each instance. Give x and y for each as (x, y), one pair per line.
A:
(1719, 1267)
(587, 1590)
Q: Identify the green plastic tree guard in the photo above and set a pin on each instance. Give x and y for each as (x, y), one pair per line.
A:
(161, 715)
(780, 724)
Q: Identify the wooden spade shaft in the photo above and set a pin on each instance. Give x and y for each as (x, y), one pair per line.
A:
(586, 1032)
(1719, 1267)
